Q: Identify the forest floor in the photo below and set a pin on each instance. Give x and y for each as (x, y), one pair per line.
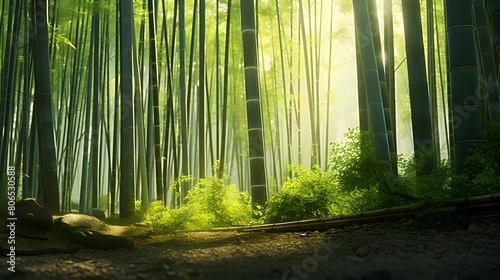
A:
(451, 247)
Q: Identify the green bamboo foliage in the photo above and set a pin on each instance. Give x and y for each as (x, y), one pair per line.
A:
(127, 177)
(256, 157)
(43, 102)
(372, 81)
(463, 77)
(489, 78)
(419, 97)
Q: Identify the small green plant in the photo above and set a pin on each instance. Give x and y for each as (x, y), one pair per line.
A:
(363, 178)
(482, 168)
(416, 182)
(311, 194)
(176, 186)
(357, 168)
(354, 163)
(223, 204)
(211, 203)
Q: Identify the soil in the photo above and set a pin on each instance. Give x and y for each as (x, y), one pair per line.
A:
(452, 247)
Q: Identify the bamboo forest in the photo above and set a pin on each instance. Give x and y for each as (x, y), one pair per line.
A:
(203, 124)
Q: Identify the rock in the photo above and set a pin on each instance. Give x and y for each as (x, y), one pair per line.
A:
(96, 240)
(79, 221)
(407, 224)
(362, 250)
(306, 234)
(98, 213)
(377, 275)
(474, 228)
(30, 212)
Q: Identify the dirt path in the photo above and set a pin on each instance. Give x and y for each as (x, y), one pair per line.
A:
(438, 249)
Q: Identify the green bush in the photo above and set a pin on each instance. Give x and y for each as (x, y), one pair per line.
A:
(482, 168)
(311, 194)
(354, 163)
(211, 203)
(364, 179)
(224, 204)
(357, 168)
(417, 183)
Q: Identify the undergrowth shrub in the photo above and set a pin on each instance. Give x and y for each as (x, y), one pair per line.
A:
(417, 183)
(354, 163)
(211, 203)
(360, 173)
(310, 194)
(357, 167)
(482, 168)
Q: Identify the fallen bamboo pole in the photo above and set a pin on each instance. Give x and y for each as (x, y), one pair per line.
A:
(484, 203)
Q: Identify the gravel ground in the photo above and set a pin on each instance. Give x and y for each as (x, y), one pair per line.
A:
(450, 248)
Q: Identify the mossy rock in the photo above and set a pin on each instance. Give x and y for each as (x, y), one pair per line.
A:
(71, 222)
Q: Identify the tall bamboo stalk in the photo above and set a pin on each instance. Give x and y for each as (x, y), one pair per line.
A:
(256, 157)
(43, 101)
(372, 80)
(154, 95)
(201, 92)
(127, 176)
(182, 94)
(431, 77)
(389, 65)
(487, 60)
(494, 17)
(225, 93)
(96, 111)
(419, 98)
(463, 77)
(310, 89)
(374, 25)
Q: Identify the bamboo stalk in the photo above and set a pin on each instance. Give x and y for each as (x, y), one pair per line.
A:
(487, 203)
